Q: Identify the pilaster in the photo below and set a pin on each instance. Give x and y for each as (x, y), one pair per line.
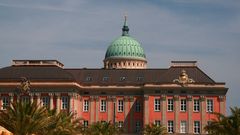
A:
(203, 113)
(190, 110)
(164, 109)
(146, 109)
(176, 113)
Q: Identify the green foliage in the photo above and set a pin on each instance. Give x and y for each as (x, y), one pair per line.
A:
(23, 118)
(225, 125)
(102, 128)
(153, 129)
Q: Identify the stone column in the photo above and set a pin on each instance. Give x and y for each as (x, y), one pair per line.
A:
(222, 104)
(97, 107)
(51, 101)
(146, 110)
(164, 109)
(71, 103)
(38, 95)
(92, 109)
(126, 112)
(109, 108)
(190, 110)
(176, 113)
(58, 102)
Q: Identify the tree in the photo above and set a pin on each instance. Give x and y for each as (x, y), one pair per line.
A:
(62, 123)
(154, 129)
(225, 125)
(23, 118)
(103, 128)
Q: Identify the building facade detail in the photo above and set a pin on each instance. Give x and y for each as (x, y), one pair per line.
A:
(181, 97)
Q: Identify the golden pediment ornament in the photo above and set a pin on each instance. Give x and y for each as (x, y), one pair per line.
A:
(183, 78)
(25, 85)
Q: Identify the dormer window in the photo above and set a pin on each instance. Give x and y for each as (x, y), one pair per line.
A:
(89, 79)
(140, 79)
(105, 79)
(123, 78)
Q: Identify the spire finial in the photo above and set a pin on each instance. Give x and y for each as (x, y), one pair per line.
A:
(125, 19)
(125, 28)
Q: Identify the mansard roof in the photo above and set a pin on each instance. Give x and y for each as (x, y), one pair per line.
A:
(35, 73)
(103, 77)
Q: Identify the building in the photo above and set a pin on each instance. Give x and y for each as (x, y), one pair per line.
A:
(181, 97)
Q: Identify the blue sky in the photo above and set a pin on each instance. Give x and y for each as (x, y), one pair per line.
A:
(78, 32)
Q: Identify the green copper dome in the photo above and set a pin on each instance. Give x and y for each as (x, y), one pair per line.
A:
(125, 47)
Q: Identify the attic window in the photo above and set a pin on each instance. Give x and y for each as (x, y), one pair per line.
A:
(140, 79)
(105, 78)
(89, 79)
(123, 78)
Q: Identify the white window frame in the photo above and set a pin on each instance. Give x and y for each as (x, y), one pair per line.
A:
(209, 105)
(138, 106)
(85, 105)
(120, 124)
(85, 123)
(183, 126)
(157, 122)
(170, 105)
(157, 104)
(65, 102)
(138, 126)
(89, 79)
(45, 101)
(5, 102)
(170, 126)
(103, 105)
(120, 105)
(196, 105)
(183, 105)
(196, 127)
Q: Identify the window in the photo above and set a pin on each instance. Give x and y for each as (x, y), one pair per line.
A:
(209, 105)
(25, 99)
(183, 105)
(5, 102)
(65, 102)
(138, 106)
(89, 79)
(183, 127)
(157, 122)
(85, 105)
(139, 79)
(170, 126)
(138, 126)
(120, 124)
(157, 104)
(103, 106)
(170, 104)
(105, 79)
(196, 105)
(196, 127)
(120, 105)
(85, 123)
(45, 101)
(122, 78)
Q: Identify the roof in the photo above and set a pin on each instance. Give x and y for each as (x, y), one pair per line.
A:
(103, 77)
(136, 76)
(35, 73)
